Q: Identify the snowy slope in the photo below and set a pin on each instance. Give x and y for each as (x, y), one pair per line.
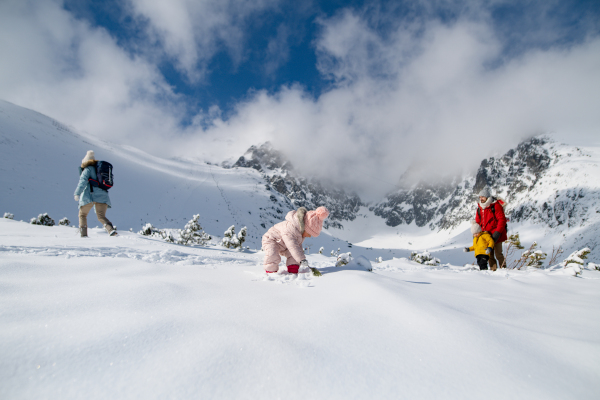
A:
(131, 317)
(39, 158)
(556, 204)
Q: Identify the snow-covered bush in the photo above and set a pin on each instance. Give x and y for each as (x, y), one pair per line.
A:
(424, 258)
(321, 250)
(42, 219)
(379, 259)
(9, 215)
(335, 253)
(192, 233)
(364, 262)
(64, 222)
(533, 257)
(150, 230)
(233, 241)
(594, 266)
(576, 257)
(575, 261)
(343, 259)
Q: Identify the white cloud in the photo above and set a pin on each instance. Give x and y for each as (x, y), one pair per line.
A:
(430, 101)
(191, 32)
(434, 97)
(62, 67)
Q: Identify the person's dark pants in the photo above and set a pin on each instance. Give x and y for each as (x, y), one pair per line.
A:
(499, 256)
(482, 261)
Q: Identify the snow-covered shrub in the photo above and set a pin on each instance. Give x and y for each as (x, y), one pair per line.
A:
(64, 222)
(575, 262)
(150, 230)
(424, 258)
(343, 259)
(364, 262)
(533, 257)
(9, 216)
(321, 250)
(233, 241)
(335, 253)
(576, 257)
(379, 259)
(42, 219)
(593, 266)
(192, 233)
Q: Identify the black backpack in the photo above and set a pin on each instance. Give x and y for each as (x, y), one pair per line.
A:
(104, 175)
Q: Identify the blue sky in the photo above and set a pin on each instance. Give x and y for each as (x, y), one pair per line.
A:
(348, 90)
(520, 25)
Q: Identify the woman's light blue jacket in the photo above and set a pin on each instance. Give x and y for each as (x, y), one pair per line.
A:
(83, 189)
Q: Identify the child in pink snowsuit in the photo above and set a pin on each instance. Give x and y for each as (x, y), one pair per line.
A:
(285, 238)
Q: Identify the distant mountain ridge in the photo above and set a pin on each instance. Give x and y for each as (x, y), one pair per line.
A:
(543, 182)
(300, 191)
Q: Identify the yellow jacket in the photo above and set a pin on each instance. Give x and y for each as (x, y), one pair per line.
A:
(481, 243)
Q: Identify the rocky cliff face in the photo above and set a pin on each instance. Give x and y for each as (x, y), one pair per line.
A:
(541, 181)
(446, 205)
(300, 191)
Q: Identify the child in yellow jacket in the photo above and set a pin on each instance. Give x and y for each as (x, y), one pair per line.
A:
(483, 245)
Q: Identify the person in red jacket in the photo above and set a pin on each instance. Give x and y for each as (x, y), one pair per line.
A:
(490, 216)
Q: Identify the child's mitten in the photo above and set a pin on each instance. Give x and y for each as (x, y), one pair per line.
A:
(488, 251)
(466, 250)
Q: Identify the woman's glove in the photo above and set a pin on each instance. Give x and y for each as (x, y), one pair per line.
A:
(76, 197)
(488, 251)
(466, 249)
(496, 236)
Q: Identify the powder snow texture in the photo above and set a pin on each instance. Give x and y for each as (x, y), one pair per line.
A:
(131, 317)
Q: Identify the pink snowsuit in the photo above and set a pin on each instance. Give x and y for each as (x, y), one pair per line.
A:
(285, 239)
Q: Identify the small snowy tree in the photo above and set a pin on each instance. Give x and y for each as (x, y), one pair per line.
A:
(64, 222)
(321, 250)
(192, 233)
(424, 258)
(512, 244)
(343, 259)
(42, 219)
(530, 257)
(535, 258)
(335, 253)
(9, 216)
(379, 259)
(575, 261)
(233, 241)
(150, 230)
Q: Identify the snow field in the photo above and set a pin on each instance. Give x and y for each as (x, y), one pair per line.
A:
(131, 317)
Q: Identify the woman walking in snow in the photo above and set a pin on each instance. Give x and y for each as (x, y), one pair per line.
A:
(88, 197)
(490, 216)
(285, 239)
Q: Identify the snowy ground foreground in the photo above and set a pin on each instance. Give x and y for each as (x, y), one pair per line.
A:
(131, 317)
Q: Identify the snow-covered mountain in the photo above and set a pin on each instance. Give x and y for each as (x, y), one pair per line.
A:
(299, 190)
(552, 190)
(39, 159)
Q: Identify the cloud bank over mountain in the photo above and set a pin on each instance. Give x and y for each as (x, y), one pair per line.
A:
(429, 88)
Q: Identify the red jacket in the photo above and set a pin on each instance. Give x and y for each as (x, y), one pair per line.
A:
(492, 219)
